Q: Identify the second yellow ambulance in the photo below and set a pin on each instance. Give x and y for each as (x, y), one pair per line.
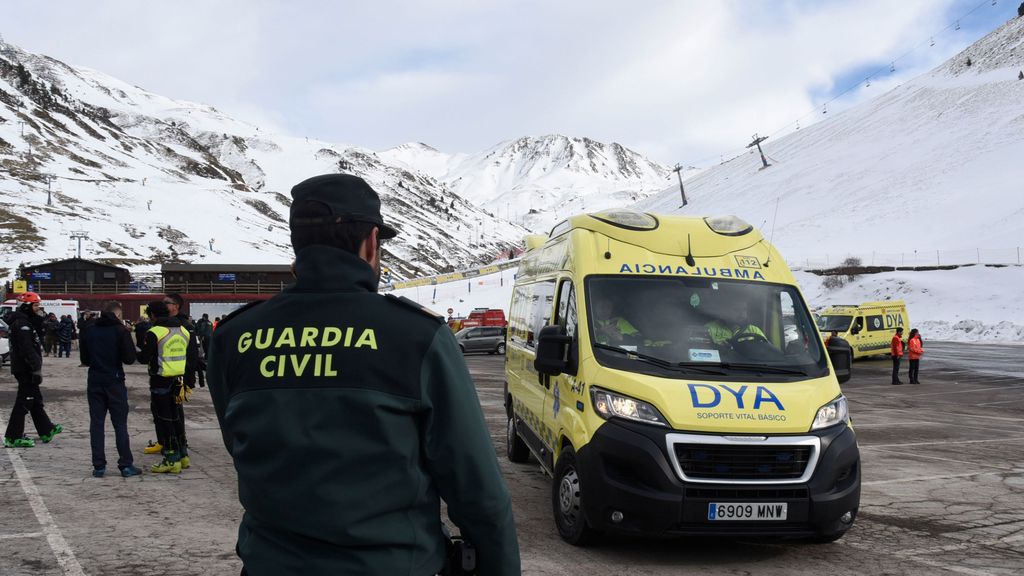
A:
(666, 372)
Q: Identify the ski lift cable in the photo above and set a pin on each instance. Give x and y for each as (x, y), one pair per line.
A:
(882, 70)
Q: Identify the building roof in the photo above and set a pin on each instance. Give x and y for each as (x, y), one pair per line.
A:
(226, 268)
(59, 262)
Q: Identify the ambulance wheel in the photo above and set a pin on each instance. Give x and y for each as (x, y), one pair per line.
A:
(515, 448)
(567, 501)
(501, 348)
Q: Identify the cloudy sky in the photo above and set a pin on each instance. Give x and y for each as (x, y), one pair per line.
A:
(677, 80)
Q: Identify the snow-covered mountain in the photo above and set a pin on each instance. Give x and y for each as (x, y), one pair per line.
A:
(151, 179)
(537, 181)
(934, 164)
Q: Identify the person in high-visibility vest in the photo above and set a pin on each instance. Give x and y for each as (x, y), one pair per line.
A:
(170, 352)
(732, 326)
(609, 326)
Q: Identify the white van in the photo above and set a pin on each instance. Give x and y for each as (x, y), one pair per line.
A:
(58, 307)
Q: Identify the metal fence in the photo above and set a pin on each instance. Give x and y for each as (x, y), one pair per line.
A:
(159, 287)
(915, 258)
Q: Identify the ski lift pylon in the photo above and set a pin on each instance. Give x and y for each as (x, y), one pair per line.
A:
(892, 67)
(824, 108)
(932, 43)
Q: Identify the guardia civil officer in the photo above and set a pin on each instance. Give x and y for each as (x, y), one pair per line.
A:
(349, 414)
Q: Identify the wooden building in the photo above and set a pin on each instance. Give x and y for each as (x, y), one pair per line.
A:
(226, 278)
(76, 275)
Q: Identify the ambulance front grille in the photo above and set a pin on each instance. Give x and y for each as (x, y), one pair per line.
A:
(743, 462)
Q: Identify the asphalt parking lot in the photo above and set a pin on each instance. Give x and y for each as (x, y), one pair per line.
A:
(943, 487)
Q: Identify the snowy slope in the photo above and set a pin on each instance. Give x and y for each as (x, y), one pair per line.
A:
(972, 303)
(152, 179)
(537, 181)
(931, 165)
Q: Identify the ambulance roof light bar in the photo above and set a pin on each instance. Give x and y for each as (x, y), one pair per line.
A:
(629, 219)
(728, 225)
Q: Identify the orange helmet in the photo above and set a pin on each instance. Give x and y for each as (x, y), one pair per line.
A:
(29, 298)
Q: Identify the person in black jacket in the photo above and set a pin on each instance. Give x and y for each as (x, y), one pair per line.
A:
(105, 348)
(65, 333)
(50, 326)
(27, 368)
(359, 402)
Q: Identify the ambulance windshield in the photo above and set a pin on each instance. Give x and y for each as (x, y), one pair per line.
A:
(718, 329)
(834, 323)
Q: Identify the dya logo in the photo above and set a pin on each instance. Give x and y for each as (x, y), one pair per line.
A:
(710, 396)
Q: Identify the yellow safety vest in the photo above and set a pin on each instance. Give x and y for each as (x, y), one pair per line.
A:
(721, 334)
(171, 350)
(617, 323)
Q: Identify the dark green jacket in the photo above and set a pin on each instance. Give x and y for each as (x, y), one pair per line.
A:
(341, 469)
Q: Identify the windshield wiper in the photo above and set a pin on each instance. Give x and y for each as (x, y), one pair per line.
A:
(762, 368)
(661, 362)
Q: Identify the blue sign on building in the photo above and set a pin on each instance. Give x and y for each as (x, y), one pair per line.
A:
(226, 277)
(42, 275)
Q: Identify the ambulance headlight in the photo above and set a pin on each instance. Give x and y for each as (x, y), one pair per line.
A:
(835, 412)
(611, 405)
(631, 219)
(728, 225)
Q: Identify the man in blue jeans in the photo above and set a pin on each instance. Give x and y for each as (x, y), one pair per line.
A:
(105, 348)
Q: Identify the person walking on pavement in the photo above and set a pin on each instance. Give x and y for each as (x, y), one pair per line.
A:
(65, 333)
(27, 368)
(896, 350)
(373, 423)
(204, 330)
(105, 348)
(915, 349)
(50, 326)
(169, 354)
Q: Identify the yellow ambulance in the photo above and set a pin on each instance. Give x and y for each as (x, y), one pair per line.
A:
(868, 327)
(665, 371)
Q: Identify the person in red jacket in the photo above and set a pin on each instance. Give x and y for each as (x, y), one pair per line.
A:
(896, 349)
(914, 351)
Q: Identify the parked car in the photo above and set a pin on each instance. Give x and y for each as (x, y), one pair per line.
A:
(490, 339)
(5, 344)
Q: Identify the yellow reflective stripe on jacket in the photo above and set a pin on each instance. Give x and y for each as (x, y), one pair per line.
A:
(171, 350)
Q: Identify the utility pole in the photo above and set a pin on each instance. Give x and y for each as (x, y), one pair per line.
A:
(79, 235)
(757, 142)
(49, 192)
(679, 172)
(22, 122)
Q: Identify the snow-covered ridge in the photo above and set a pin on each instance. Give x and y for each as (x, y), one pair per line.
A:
(536, 181)
(154, 179)
(930, 165)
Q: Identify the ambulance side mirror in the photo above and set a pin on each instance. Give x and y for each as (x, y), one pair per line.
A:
(841, 355)
(552, 350)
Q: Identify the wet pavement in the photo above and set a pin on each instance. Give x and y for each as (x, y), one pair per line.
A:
(943, 487)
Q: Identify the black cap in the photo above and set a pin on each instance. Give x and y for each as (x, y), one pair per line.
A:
(349, 198)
